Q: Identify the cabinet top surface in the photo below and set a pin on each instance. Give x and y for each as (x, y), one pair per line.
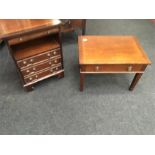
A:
(9, 27)
(111, 50)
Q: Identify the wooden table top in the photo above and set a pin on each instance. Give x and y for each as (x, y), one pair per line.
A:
(111, 50)
(11, 27)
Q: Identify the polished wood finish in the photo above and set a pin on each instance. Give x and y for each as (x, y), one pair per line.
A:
(111, 54)
(35, 46)
(10, 28)
(111, 50)
(28, 37)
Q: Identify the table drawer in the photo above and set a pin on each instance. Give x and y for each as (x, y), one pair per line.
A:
(35, 68)
(112, 68)
(31, 36)
(28, 62)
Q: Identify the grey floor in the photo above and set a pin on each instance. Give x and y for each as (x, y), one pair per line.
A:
(105, 107)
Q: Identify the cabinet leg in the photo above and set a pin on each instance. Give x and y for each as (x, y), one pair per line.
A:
(29, 88)
(81, 81)
(135, 81)
(84, 27)
(83, 31)
(61, 75)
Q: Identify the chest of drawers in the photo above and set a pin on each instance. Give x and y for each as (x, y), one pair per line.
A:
(35, 46)
(37, 59)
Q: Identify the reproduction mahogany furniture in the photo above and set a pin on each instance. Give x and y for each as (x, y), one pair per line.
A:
(35, 46)
(111, 54)
(69, 25)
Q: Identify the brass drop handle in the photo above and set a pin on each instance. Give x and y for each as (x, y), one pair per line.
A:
(48, 54)
(129, 68)
(32, 73)
(24, 62)
(21, 39)
(29, 65)
(97, 68)
(31, 60)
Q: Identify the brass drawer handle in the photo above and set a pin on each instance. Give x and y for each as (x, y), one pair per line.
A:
(30, 78)
(55, 61)
(21, 39)
(28, 71)
(129, 68)
(97, 68)
(24, 62)
(34, 68)
(29, 65)
(48, 54)
(54, 52)
(31, 73)
(51, 70)
(31, 60)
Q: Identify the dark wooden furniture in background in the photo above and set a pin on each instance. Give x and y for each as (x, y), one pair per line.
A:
(111, 54)
(69, 25)
(35, 46)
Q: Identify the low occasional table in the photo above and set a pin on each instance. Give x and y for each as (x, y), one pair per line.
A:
(111, 54)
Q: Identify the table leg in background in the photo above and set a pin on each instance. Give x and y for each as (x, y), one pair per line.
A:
(81, 81)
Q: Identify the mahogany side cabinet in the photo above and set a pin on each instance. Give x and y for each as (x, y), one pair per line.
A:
(36, 48)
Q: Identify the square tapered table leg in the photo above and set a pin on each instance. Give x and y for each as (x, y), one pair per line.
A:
(81, 81)
(135, 81)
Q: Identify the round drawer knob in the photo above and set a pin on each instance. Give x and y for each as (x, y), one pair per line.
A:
(24, 62)
(56, 68)
(55, 61)
(50, 63)
(20, 39)
(130, 68)
(55, 52)
(97, 68)
(36, 76)
(27, 71)
(34, 68)
(48, 54)
(30, 78)
(31, 60)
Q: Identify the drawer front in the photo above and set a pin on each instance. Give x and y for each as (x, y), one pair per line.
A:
(30, 79)
(42, 74)
(29, 62)
(50, 71)
(112, 68)
(41, 66)
(32, 36)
